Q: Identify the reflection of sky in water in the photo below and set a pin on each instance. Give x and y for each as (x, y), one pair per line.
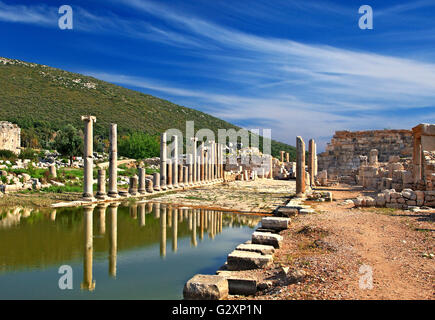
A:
(38, 245)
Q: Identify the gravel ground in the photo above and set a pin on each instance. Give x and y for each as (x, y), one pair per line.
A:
(338, 246)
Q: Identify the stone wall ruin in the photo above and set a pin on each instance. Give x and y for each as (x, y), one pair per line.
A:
(10, 137)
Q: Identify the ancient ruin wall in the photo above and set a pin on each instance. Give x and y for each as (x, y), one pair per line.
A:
(10, 137)
(342, 155)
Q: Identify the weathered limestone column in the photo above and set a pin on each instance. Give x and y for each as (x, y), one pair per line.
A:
(287, 157)
(417, 160)
(52, 170)
(88, 283)
(163, 159)
(169, 174)
(113, 162)
(149, 187)
(113, 237)
(206, 165)
(191, 168)
(198, 170)
(133, 185)
(180, 175)
(185, 176)
(101, 184)
(300, 167)
(156, 177)
(271, 167)
(202, 165)
(175, 162)
(142, 188)
(195, 157)
(282, 155)
(311, 155)
(373, 157)
(88, 179)
(315, 160)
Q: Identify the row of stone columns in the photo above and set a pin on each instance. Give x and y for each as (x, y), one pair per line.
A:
(194, 169)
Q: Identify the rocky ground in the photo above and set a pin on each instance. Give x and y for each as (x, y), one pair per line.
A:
(260, 196)
(333, 253)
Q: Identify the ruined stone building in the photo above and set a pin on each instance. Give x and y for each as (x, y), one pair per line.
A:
(348, 150)
(10, 137)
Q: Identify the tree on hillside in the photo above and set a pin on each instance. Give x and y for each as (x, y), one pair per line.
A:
(69, 142)
(139, 146)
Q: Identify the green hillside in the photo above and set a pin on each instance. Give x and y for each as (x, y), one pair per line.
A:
(42, 100)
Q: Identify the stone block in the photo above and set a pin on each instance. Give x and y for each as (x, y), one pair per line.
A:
(259, 248)
(274, 240)
(246, 260)
(206, 287)
(275, 223)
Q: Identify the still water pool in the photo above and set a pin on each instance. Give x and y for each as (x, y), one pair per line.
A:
(137, 251)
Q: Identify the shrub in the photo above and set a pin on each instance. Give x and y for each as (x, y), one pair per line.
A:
(139, 146)
(28, 154)
(7, 155)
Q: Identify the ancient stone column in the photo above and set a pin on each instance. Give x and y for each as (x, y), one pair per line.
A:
(142, 188)
(101, 184)
(190, 168)
(133, 185)
(315, 160)
(52, 170)
(271, 167)
(185, 176)
(168, 183)
(156, 177)
(113, 162)
(88, 179)
(287, 157)
(149, 187)
(194, 158)
(163, 159)
(202, 165)
(311, 159)
(113, 237)
(282, 156)
(180, 175)
(175, 162)
(417, 159)
(198, 169)
(373, 157)
(300, 167)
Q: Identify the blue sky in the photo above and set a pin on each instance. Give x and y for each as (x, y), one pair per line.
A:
(297, 67)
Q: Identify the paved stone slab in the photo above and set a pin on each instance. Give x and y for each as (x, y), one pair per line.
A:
(260, 248)
(271, 239)
(206, 287)
(245, 260)
(275, 223)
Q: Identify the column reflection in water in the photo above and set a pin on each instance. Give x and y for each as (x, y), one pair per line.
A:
(157, 210)
(201, 234)
(88, 283)
(169, 216)
(193, 215)
(113, 237)
(101, 210)
(189, 212)
(175, 230)
(133, 211)
(53, 215)
(141, 207)
(163, 231)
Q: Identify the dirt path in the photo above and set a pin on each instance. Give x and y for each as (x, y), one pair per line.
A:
(392, 247)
